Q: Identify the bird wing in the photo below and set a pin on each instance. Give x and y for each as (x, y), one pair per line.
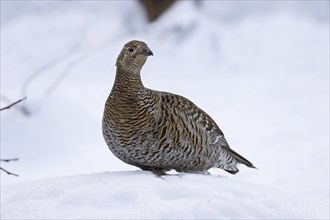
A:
(186, 125)
(192, 130)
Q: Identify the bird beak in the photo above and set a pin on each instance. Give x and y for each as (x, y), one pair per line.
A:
(149, 52)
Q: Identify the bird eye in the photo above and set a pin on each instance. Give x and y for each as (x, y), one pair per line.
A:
(130, 49)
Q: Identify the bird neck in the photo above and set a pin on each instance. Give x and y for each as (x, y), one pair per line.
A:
(127, 82)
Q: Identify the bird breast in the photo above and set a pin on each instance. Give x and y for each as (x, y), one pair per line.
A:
(129, 120)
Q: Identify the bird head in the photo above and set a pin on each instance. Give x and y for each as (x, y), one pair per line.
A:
(133, 56)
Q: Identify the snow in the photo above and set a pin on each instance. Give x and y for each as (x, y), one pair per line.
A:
(260, 70)
(141, 195)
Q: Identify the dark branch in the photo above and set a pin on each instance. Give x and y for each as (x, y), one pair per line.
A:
(11, 105)
(6, 171)
(13, 159)
(8, 160)
(9, 173)
(155, 8)
(20, 108)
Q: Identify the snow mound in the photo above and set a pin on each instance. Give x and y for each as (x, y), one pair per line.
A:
(139, 194)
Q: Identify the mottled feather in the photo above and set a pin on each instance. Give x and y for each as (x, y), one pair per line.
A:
(160, 131)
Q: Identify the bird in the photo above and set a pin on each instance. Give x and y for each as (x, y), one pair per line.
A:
(160, 131)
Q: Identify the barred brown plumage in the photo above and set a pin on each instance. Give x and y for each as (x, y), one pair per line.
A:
(160, 131)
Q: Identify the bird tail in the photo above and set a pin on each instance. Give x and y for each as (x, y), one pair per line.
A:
(240, 159)
(229, 160)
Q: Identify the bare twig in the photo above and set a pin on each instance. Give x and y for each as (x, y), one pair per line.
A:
(20, 108)
(11, 105)
(9, 173)
(8, 160)
(6, 171)
(13, 159)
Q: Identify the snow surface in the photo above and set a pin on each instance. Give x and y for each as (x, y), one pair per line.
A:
(261, 72)
(141, 195)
